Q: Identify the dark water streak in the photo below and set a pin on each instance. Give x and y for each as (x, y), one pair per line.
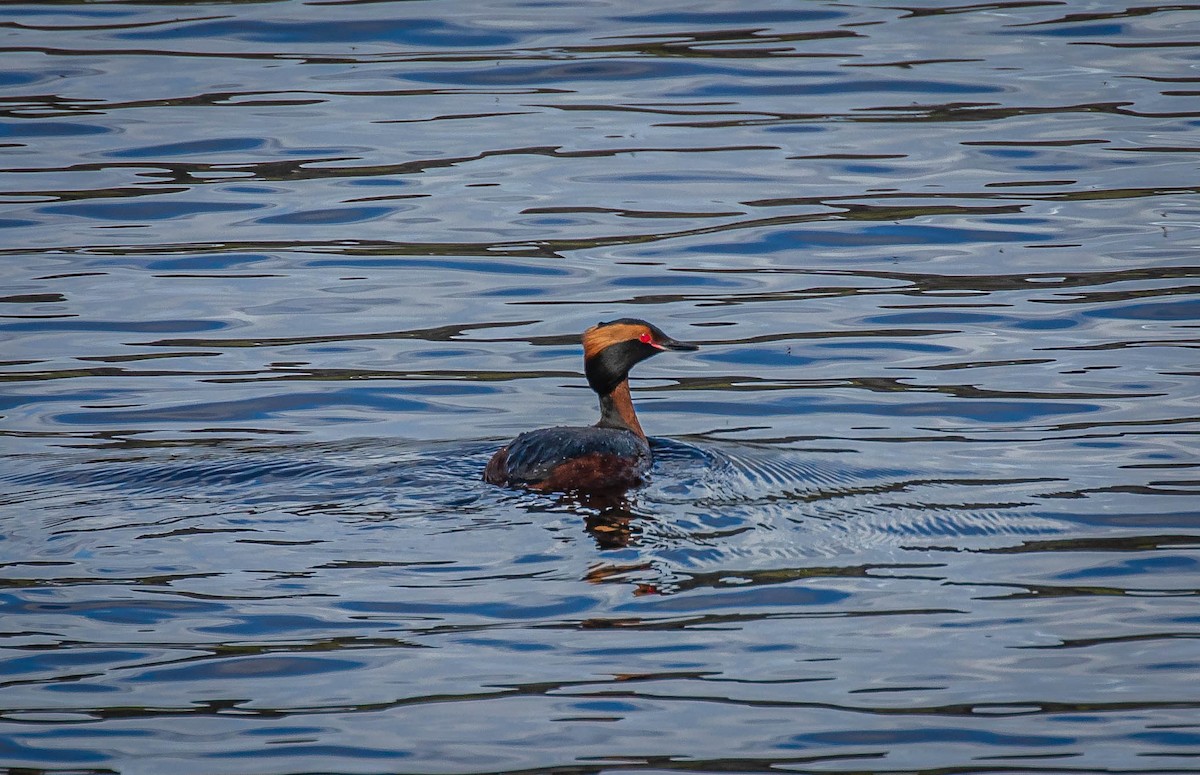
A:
(280, 277)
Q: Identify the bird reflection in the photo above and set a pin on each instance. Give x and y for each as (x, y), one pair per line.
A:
(608, 517)
(613, 521)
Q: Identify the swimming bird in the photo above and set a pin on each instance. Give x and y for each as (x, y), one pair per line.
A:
(613, 454)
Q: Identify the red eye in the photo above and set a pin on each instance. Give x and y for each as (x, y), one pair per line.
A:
(646, 338)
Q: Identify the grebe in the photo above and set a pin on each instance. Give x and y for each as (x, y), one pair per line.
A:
(610, 455)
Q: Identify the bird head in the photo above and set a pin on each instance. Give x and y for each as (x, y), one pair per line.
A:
(611, 349)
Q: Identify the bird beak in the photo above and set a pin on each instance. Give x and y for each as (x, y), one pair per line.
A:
(667, 343)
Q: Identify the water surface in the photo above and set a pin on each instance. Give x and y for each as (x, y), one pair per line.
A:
(281, 276)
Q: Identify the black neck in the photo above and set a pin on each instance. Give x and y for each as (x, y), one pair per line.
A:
(610, 414)
(609, 368)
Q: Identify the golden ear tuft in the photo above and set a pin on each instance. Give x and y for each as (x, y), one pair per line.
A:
(600, 337)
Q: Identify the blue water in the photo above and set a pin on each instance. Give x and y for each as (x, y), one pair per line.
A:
(280, 277)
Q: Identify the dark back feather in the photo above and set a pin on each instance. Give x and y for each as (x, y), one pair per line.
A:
(533, 456)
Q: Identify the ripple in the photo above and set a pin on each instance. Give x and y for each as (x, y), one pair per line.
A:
(182, 476)
(843, 86)
(280, 279)
(1184, 309)
(52, 754)
(551, 609)
(245, 410)
(132, 326)
(411, 32)
(942, 735)
(587, 70)
(352, 753)
(55, 662)
(978, 410)
(264, 667)
(741, 16)
(328, 216)
(774, 241)
(739, 600)
(123, 612)
(147, 210)
(17, 223)
(49, 129)
(489, 266)
(190, 147)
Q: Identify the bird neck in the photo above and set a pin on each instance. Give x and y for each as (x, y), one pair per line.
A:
(616, 410)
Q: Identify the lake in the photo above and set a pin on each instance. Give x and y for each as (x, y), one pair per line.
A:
(281, 276)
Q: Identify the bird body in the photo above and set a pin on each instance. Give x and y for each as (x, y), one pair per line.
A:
(570, 458)
(613, 454)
